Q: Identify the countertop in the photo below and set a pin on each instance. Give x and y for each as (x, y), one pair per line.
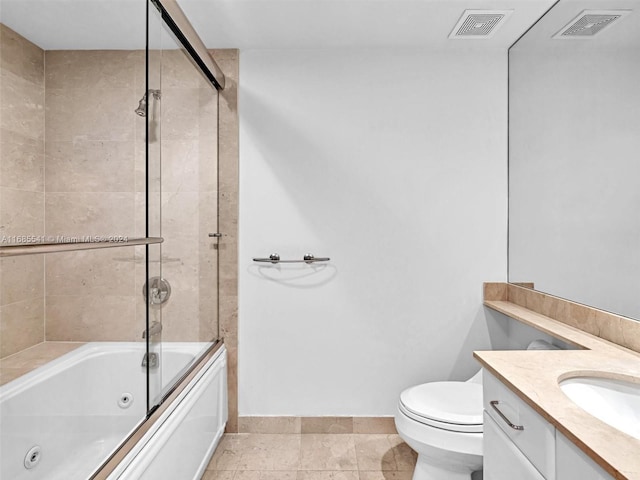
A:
(534, 375)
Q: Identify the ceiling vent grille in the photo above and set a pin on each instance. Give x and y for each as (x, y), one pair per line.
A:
(589, 23)
(479, 23)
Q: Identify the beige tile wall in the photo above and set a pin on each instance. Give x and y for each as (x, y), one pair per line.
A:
(89, 145)
(21, 189)
(90, 153)
(188, 201)
(228, 158)
(95, 171)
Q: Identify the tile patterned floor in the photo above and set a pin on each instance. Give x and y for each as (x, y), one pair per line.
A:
(250, 456)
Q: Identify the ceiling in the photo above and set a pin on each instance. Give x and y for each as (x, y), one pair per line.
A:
(311, 24)
(623, 33)
(268, 24)
(78, 24)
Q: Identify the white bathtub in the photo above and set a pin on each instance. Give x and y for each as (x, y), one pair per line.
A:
(77, 409)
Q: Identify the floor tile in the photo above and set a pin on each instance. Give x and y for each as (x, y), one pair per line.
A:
(375, 452)
(218, 475)
(227, 453)
(311, 457)
(327, 475)
(385, 475)
(269, 452)
(259, 452)
(404, 456)
(328, 452)
(265, 475)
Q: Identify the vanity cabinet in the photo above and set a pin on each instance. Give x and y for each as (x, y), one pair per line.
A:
(525, 429)
(502, 459)
(520, 444)
(573, 464)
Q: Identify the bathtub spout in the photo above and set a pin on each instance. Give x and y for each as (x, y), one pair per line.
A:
(154, 329)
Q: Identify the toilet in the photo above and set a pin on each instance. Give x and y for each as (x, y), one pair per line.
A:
(442, 422)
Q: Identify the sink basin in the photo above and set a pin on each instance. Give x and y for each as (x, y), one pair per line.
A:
(615, 402)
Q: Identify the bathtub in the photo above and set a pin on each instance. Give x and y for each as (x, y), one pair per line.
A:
(62, 420)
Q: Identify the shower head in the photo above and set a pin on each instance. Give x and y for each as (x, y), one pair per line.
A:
(142, 105)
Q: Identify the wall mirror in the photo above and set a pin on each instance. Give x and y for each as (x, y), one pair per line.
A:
(574, 162)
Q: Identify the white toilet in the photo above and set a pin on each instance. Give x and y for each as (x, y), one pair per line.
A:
(442, 422)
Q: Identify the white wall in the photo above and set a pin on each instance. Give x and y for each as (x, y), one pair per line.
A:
(393, 163)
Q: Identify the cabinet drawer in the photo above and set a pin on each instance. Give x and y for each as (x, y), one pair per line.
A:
(502, 459)
(536, 439)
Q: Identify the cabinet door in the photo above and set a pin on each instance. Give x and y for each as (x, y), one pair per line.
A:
(502, 459)
(537, 440)
(573, 464)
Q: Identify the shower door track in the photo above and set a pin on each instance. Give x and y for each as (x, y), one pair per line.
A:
(36, 248)
(179, 24)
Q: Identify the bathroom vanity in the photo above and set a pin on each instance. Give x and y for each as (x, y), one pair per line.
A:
(533, 430)
(520, 443)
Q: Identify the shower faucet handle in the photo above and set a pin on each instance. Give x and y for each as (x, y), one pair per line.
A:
(215, 235)
(159, 290)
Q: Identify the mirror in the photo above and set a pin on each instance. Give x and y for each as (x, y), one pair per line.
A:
(574, 164)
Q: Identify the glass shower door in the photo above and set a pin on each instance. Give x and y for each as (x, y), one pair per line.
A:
(183, 207)
(72, 242)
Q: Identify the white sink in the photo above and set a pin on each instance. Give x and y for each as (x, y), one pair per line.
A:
(615, 402)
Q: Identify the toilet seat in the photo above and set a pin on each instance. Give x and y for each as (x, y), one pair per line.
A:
(453, 406)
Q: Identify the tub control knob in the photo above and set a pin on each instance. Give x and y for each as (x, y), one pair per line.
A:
(159, 291)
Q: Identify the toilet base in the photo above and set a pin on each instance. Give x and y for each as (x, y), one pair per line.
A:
(426, 470)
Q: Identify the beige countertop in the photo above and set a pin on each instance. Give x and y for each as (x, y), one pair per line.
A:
(534, 376)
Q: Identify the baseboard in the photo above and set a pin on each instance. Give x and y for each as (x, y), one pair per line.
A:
(316, 425)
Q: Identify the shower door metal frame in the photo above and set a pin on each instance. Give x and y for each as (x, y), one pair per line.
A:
(183, 32)
(176, 20)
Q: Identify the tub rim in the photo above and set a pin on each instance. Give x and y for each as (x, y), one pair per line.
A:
(91, 350)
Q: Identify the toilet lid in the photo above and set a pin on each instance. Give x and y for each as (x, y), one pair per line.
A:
(456, 403)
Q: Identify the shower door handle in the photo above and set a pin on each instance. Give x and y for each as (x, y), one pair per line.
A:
(215, 235)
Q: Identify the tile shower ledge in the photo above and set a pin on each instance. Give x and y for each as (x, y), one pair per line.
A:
(534, 377)
(27, 360)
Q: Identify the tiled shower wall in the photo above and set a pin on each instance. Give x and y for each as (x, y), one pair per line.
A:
(90, 189)
(93, 160)
(96, 186)
(189, 200)
(21, 189)
(228, 157)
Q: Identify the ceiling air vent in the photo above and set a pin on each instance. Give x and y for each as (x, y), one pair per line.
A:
(479, 23)
(589, 23)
